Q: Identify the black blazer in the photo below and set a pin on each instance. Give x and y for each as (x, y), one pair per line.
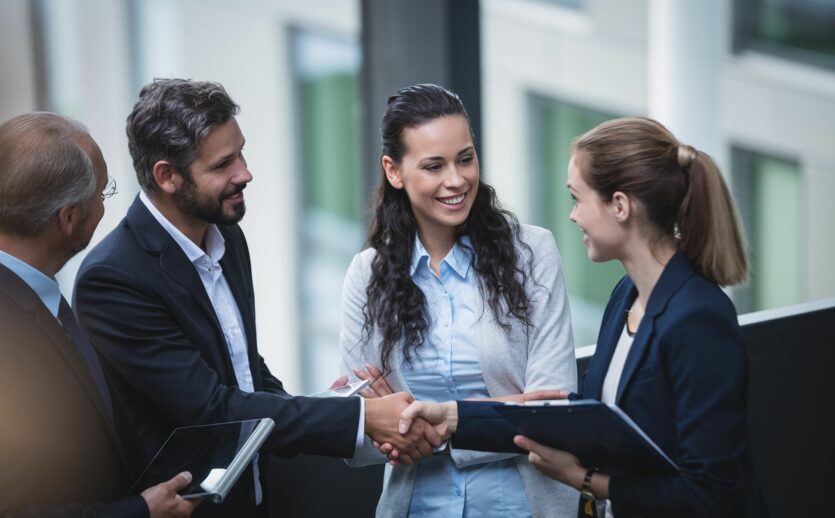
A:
(59, 451)
(145, 309)
(684, 383)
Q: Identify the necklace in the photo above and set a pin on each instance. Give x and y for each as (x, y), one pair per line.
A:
(629, 331)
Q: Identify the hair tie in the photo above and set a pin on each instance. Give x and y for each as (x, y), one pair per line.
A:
(686, 156)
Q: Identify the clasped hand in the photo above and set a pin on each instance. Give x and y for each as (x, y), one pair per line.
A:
(424, 421)
(383, 408)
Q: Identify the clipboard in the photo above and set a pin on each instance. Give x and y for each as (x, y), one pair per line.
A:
(215, 454)
(600, 435)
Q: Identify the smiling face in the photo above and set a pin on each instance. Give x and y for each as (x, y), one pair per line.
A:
(219, 174)
(439, 172)
(600, 221)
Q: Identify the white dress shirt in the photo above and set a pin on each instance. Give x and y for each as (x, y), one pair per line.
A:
(226, 309)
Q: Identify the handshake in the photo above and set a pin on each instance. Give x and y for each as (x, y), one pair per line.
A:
(405, 430)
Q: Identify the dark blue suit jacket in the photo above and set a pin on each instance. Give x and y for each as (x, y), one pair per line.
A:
(684, 384)
(145, 309)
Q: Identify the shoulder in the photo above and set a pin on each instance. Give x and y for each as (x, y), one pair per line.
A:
(699, 296)
(702, 319)
(534, 236)
(359, 272)
(117, 247)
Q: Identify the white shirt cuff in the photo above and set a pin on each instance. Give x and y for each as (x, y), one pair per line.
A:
(361, 427)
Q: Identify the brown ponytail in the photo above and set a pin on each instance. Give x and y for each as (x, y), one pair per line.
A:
(680, 188)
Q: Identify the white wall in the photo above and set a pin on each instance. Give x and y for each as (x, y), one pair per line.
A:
(597, 57)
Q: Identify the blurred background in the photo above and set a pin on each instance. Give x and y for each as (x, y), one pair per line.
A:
(752, 82)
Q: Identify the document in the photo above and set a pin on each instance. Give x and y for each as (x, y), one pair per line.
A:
(216, 455)
(600, 435)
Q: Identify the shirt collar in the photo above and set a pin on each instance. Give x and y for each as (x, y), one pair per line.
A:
(215, 244)
(458, 259)
(46, 288)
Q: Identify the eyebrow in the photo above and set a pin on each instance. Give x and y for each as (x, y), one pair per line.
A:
(227, 157)
(468, 149)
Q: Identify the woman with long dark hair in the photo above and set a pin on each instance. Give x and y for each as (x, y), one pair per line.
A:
(454, 299)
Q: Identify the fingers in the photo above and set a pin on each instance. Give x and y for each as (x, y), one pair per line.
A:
(339, 382)
(177, 483)
(541, 395)
(527, 444)
(380, 385)
(409, 415)
(431, 434)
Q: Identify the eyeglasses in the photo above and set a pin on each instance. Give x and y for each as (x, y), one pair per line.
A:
(109, 189)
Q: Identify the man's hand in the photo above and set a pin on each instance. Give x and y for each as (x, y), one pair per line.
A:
(382, 420)
(164, 502)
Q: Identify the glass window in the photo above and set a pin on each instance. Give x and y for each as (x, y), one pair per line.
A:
(326, 69)
(769, 191)
(797, 29)
(555, 125)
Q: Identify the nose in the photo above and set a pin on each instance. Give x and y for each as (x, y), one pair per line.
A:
(243, 176)
(572, 215)
(454, 179)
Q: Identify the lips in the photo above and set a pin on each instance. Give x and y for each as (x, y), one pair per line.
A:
(235, 195)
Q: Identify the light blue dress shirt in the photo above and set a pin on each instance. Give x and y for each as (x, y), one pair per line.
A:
(46, 288)
(446, 367)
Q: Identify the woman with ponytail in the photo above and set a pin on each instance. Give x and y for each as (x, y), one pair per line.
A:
(454, 299)
(670, 353)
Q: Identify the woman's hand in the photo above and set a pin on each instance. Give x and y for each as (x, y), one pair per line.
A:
(562, 466)
(379, 387)
(536, 395)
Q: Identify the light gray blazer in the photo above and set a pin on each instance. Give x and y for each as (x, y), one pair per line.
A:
(511, 363)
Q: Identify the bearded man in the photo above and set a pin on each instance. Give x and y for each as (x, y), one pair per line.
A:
(167, 300)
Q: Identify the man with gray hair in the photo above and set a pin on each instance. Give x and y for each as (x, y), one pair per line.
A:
(60, 453)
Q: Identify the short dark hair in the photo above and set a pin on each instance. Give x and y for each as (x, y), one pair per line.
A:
(170, 120)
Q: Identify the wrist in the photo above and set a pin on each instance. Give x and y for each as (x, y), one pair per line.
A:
(585, 487)
(451, 416)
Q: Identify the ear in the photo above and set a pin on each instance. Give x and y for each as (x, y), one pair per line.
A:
(69, 217)
(167, 177)
(622, 206)
(392, 172)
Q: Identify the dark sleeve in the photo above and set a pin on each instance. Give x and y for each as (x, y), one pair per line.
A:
(134, 507)
(139, 337)
(705, 365)
(270, 383)
(481, 428)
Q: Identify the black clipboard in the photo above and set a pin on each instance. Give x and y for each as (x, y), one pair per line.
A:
(600, 435)
(215, 454)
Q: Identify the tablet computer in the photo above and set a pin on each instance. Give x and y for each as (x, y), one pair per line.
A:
(215, 454)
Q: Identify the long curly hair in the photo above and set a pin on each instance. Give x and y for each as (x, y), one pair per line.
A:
(395, 304)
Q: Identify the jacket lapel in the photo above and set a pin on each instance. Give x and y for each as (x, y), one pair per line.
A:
(610, 331)
(176, 266)
(29, 302)
(677, 271)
